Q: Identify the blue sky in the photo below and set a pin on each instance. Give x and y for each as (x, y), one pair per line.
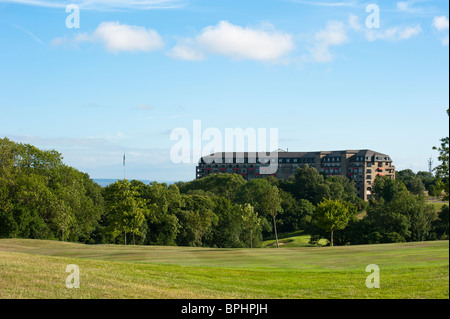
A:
(132, 73)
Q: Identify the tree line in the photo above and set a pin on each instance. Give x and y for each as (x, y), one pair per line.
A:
(41, 197)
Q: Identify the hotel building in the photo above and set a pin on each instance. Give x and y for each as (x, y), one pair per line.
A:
(361, 166)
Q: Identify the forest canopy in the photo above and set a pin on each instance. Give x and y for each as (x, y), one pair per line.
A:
(42, 198)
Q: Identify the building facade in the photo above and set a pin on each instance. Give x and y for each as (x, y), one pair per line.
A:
(361, 166)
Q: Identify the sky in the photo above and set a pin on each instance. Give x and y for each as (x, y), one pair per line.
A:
(120, 76)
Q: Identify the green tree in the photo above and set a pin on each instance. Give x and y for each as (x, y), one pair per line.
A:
(265, 198)
(163, 204)
(441, 224)
(197, 220)
(385, 188)
(405, 218)
(309, 184)
(442, 171)
(332, 215)
(226, 185)
(126, 209)
(228, 230)
(252, 222)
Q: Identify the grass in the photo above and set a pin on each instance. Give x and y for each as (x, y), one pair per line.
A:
(437, 202)
(36, 269)
(294, 239)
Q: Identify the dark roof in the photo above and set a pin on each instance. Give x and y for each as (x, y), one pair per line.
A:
(282, 154)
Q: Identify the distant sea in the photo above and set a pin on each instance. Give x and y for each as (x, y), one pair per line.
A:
(103, 182)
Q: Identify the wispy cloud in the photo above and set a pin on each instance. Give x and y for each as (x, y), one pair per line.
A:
(393, 34)
(408, 6)
(29, 33)
(144, 107)
(326, 3)
(104, 4)
(333, 35)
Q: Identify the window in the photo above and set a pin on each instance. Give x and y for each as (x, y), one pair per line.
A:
(288, 160)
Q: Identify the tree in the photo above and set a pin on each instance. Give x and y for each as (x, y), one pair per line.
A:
(308, 184)
(196, 219)
(419, 213)
(413, 182)
(163, 203)
(271, 206)
(385, 188)
(441, 225)
(229, 227)
(405, 218)
(226, 185)
(442, 171)
(126, 209)
(332, 215)
(251, 220)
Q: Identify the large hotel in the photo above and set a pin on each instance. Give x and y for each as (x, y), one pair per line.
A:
(361, 166)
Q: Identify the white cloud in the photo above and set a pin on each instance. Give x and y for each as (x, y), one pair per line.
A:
(441, 23)
(406, 6)
(103, 4)
(263, 44)
(186, 50)
(393, 34)
(409, 6)
(402, 5)
(118, 37)
(335, 34)
(353, 21)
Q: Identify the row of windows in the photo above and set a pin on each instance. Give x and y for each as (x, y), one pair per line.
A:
(331, 159)
(245, 160)
(368, 158)
(229, 166)
(297, 160)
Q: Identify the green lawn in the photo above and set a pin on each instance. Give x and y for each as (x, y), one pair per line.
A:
(36, 269)
(295, 239)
